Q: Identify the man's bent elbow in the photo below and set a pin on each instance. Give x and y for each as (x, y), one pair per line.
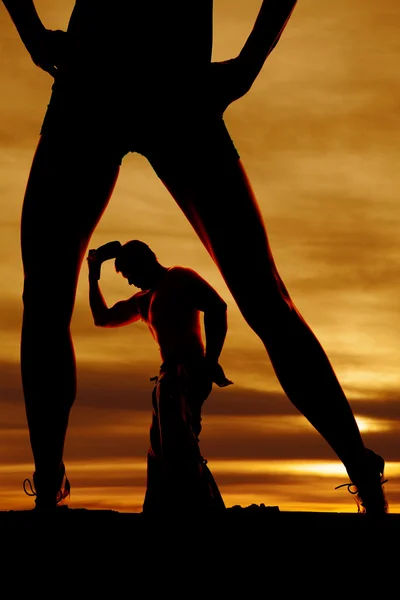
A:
(220, 307)
(101, 322)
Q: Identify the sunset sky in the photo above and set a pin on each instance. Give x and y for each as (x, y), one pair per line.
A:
(319, 135)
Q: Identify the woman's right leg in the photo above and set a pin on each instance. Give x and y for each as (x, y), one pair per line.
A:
(69, 186)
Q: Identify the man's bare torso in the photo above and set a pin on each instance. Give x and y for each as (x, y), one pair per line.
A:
(172, 318)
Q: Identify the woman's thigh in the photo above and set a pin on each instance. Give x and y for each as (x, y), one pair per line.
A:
(210, 185)
(68, 189)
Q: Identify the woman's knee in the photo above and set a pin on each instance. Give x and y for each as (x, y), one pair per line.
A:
(269, 317)
(47, 299)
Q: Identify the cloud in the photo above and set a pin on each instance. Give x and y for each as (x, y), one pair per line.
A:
(112, 413)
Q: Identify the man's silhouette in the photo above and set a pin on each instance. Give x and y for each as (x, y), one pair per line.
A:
(170, 302)
(136, 76)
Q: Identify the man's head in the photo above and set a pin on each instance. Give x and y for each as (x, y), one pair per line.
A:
(137, 263)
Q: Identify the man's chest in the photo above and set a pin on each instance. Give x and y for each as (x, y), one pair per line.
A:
(163, 306)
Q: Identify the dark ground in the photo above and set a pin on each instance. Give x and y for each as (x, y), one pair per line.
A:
(248, 553)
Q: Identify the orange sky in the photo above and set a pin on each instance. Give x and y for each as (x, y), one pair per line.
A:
(319, 136)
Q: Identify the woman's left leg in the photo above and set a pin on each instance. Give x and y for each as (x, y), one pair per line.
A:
(211, 187)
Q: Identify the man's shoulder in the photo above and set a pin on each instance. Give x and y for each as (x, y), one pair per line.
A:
(183, 273)
(140, 298)
(180, 269)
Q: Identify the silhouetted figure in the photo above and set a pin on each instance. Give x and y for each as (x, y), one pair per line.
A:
(170, 303)
(135, 76)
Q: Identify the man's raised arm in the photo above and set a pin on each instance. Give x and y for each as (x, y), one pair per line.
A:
(123, 312)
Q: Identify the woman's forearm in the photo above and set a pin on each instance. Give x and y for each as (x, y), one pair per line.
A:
(268, 27)
(25, 18)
